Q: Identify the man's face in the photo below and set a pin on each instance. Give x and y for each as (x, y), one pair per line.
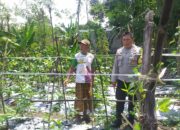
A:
(84, 48)
(127, 41)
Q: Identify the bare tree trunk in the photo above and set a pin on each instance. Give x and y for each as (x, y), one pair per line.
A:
(43, 35)
(78, 14)
(7, 19)
(2, 24)
(87, 10)
(148, 119)
(52, 29)
(148, 104)
(147, 42)
(162, 32)
(178, 51)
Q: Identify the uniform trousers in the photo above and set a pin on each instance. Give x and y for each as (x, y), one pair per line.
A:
(121, 95)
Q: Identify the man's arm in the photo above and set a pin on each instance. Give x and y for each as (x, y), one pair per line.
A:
(114, 71)
(70, 71)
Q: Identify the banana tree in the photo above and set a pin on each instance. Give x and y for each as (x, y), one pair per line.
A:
(24, 38)
(7, 43)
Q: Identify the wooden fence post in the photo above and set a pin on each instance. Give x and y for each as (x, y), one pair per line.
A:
(148, 119)
(148, 30)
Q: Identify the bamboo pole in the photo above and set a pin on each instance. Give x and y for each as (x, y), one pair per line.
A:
(2, 84)
(103, 94)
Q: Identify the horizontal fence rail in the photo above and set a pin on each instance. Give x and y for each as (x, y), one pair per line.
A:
(68, 57)
(97, 74)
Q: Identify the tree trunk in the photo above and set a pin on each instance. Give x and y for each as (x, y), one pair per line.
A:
(7, 20)
(2, 24)
(78, 14)
(51, 22)
(148, 119)
(162, 32)
(148, 104)
(178, 51)
(147, 42)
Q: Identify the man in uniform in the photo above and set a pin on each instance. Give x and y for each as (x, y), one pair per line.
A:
(126, 59)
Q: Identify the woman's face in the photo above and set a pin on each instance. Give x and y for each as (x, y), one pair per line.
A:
(127, 41)
(84, 48)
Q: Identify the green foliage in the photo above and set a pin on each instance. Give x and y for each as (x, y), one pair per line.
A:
(34, 39)
(178, 31)
(56, 124)
(25, 37)
(122, 12)
(137, 126)
(97, 10)
(173, 24)
(97, 35)
(70, 33)
(102, 42)
(130, 15)
(163, 105)
(10, 112)
(7, 43)
(22, 106)
(178, 91)
(4, 117)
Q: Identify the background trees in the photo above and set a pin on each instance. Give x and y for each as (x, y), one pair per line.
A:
(38, 37)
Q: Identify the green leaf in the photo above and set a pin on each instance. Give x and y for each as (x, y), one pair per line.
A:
(174, 52)
(171, 42)
(163, 105)
(4, 117)
(125, 90)
(135, 70)
(137, 126)
(162, 73)
(7, 34)
(8, 40)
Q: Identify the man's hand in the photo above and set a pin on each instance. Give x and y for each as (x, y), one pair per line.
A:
(113, 84)
(66, 81)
